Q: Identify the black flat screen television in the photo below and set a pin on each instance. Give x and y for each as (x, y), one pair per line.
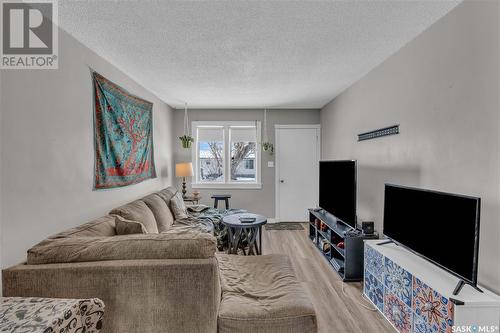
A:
(441, 227)
(337, 189)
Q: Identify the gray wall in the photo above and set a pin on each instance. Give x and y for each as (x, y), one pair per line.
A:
(255, 200)
(1, 184)
(443, 88)
(47, 152)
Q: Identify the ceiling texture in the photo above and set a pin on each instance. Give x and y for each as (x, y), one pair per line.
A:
(247, 54)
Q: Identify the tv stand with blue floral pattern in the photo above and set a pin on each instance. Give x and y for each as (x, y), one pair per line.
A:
(416, 296)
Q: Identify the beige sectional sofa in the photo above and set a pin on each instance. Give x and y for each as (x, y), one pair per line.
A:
(260, 294)
(164, 279)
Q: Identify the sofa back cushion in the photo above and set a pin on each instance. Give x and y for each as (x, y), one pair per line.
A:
(170, 245)
(161, 212)
(178, 207)
(103, 226)
(127, 227)
(138, 211)
(167, 193)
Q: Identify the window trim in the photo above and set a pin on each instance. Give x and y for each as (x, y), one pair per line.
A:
(227, 184)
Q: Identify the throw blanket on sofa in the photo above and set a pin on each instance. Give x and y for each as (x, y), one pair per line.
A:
(212, 216)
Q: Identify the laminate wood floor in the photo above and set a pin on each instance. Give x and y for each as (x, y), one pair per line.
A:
(337, 311)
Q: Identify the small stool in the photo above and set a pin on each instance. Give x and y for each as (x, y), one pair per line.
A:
(221, 197)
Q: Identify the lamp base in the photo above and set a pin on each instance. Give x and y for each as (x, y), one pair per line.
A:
(184, 191)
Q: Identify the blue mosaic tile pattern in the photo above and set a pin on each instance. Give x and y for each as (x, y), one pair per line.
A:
(420, 325)
(436, 310)
(374, 290)
(398, 281)
(374, 262)
(397, 312)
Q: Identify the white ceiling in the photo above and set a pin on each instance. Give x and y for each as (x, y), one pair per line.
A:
(247, 54)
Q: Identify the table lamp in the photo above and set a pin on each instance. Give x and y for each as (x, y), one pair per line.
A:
(184, 170)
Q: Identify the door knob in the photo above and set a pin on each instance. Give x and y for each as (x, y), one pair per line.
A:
(282, 181)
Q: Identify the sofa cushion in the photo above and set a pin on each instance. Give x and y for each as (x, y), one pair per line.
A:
(127, 227)
(178, 207)
(261, 294)
(163, 215)
(138, 211)
(103, 226)
(167, 193)
(180, 245)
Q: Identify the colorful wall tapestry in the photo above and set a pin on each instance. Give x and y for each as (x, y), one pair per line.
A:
(123, 132)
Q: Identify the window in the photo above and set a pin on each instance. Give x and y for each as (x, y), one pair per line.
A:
(226, 154)
(210, 146)
(249, 163)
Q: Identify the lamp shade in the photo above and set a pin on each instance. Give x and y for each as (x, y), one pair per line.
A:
(184, 169)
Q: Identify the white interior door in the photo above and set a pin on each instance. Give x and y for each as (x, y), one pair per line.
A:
(297, 168)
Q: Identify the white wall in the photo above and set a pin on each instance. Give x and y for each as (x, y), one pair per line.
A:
(1, 185)
(47, 153)
(443, 88)
(261, 201)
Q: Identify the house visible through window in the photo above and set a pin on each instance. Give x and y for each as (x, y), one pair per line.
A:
(249, 163)
(226, 154)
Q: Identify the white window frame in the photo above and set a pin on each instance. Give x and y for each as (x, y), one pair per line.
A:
(227, 184)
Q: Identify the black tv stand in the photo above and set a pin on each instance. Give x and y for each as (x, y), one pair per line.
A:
(348, 260)
(461, 284)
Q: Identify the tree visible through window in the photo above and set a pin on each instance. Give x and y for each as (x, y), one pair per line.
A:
(227, 153)
(241, 154)
(211, 161)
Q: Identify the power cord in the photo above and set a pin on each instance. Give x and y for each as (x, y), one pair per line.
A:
(355, 300)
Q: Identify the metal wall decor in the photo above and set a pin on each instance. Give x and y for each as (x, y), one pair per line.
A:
(391, 130)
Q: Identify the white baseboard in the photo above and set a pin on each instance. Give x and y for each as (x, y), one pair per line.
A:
(275, 220)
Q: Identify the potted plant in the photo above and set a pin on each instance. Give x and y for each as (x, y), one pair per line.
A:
(268, 146)
(186, 141)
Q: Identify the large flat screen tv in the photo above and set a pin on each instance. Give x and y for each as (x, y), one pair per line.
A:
(337, 190)
(441, 227)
